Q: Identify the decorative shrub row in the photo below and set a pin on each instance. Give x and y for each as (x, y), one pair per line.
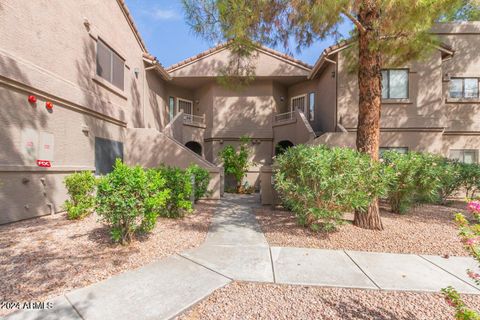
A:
(130, 199)
(319, 183)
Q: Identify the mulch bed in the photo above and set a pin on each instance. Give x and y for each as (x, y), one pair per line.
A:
(268, 301)
(44, 257)
(427, 229)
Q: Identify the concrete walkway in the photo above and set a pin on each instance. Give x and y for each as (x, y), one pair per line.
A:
(236, 249)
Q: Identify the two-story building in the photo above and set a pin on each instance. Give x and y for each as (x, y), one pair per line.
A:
(80, 90)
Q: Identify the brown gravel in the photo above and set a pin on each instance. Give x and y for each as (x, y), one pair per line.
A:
(269, 301)
(428, 229)
(44, 257)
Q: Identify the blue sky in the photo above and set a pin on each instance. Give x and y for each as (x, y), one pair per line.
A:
(169, 38)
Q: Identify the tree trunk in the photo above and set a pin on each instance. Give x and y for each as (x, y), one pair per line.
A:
(369, 105)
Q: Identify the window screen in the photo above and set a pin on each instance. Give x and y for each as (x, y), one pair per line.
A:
(110, 66)
(466, 88)
(464, 155)
(106, 152)
(395, 84)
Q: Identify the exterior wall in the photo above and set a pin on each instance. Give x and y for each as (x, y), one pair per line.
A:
(297, 131)
(150, 148)
(423, 109)
(266, 65)
(59, 65)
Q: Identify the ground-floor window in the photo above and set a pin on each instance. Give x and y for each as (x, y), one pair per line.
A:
(106, 152)
(311, 106)
(401, 150)
(464, 155)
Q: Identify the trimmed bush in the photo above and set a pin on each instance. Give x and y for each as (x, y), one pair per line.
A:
(319, 184)
(451, 180)
(80, 188)
(202, 180)
(180, 186)
(470, 176)
(128, 200)
(416, 178)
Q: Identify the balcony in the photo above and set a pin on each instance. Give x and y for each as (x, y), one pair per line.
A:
(193, 120)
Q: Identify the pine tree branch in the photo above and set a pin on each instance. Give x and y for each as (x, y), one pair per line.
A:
(355, 21)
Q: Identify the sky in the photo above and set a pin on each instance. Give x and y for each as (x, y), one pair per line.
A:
(169, 37)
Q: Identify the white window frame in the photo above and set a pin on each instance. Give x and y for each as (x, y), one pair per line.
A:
(304, 96)
(475, 152)
(184, 100)
(463, 89)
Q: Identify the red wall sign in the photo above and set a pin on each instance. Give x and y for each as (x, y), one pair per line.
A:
(44, 163)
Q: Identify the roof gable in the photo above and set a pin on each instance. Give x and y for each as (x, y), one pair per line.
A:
(268, 62)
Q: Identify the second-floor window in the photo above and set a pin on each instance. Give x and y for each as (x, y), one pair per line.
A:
(464, 88)
(110, 66)
(395, 84)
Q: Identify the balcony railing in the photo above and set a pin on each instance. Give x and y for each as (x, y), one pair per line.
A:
(193, 119)
(281, 117)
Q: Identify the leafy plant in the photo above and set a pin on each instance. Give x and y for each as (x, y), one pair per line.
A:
(235, 162)
(450, 180)
(157, 197)
(470, 236)
(470, 176)
(320, 183)
(80, 188)
(415, 178)
(180, 186)
(202, 180)
(121, 202)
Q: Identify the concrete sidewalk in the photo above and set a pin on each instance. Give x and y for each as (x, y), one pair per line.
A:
(236, 249)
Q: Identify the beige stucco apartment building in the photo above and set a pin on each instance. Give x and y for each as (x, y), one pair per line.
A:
(78, 88)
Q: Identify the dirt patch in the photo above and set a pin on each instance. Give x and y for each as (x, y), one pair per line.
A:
(43, 257)
(268, 301)
(427, 229)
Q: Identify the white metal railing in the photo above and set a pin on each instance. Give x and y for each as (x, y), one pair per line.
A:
(193, 119)
(281, 117)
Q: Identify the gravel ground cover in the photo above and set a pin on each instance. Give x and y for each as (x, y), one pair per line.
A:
(269, 301)
(43, 257)
(427, 229)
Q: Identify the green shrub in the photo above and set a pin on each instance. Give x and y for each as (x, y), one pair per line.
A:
(320, 184)
(202, 180)
(124, 201)
(237, 163)
(80, 188)
(470, 176)
(450, 180)
(415, 178)
(158, 196)
(179, 184)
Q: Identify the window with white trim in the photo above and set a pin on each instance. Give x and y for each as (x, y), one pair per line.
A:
(298, 102)
(185, 105)
(110, 66)
(464, 155)
(463, 88)
(311, 106)
(395, 84)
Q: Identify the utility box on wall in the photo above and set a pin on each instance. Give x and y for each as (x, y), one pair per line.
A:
(37, 147)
